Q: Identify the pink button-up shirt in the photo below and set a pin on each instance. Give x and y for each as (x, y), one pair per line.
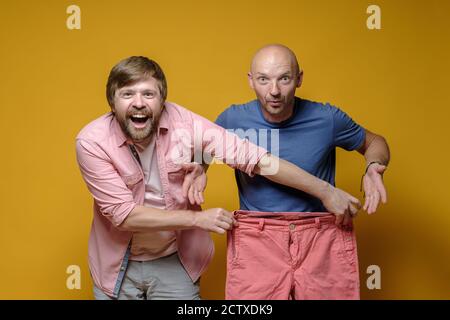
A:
(116, 181)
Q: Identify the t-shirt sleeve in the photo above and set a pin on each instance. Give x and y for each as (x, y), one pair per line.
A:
(226, 146)
(347, 134)
(222, 119)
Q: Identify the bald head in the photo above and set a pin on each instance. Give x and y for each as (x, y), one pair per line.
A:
(274, 76)
(274, 55)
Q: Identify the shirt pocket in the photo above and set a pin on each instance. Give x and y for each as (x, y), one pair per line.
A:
(175, 176)
(175, 172)
(132, 180)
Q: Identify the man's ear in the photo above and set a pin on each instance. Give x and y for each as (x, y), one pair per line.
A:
(250, 79)
(300, 79)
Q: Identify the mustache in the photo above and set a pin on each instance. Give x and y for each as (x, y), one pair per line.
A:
(142, 112)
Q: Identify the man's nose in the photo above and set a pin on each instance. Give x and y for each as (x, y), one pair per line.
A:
(275, 90)
(138, 102)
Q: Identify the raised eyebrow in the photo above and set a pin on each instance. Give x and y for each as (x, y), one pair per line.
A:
(287, 74)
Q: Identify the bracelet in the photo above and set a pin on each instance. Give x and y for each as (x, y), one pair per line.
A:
(371, 163)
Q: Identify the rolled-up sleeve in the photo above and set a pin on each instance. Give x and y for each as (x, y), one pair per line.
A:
(226, 146)
(114, 200)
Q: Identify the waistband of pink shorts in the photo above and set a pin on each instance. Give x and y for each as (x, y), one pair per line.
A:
(283, 218)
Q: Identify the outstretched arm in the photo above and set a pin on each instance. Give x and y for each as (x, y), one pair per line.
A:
(336, 201)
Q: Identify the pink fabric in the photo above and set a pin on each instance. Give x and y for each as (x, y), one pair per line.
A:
(290, 255)
(152, 245)
(115, 180)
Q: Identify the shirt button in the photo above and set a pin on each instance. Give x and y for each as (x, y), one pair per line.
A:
(292, 226)
(122, 269)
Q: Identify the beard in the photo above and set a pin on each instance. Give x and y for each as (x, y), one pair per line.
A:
(139, 134)
(129, 121)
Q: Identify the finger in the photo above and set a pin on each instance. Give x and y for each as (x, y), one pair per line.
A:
(224, 225)
(196, 197)
(353, 211)
(381, 189)
(218, 230)
(366, 202)
(366, 198)
(226, 219)
(200, 197)
(230, 215)
(376, 201)
(369, 209)
(373, 201)
(227, 213)
(355, 202)
(186, 184)
(191, 195)
(200, 194)
(369, 201)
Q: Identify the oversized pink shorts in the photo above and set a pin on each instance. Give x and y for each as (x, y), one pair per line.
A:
(291, 255)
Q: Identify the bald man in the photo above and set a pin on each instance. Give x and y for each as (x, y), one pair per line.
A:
(287, 244)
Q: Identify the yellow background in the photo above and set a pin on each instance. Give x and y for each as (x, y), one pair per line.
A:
(392, 81)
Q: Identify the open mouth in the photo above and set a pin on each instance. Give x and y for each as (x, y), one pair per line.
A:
(139, 120)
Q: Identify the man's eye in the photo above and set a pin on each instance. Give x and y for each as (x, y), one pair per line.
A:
(126, 94)
(285, 79)
(262, 79)
(149, 95)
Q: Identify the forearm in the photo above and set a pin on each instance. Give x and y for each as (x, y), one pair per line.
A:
(292, 176)
(377, 151)
(150, 219)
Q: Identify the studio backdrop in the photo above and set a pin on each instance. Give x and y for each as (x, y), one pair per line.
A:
(385, 63)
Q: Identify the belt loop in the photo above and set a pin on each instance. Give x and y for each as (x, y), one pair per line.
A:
(261, 224)
(317, 220)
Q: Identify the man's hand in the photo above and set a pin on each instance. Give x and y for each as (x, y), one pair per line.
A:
(374, 189)
(194, 182)
(216, 220)
(343, 205)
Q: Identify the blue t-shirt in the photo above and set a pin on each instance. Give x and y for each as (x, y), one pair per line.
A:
(308, 139)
